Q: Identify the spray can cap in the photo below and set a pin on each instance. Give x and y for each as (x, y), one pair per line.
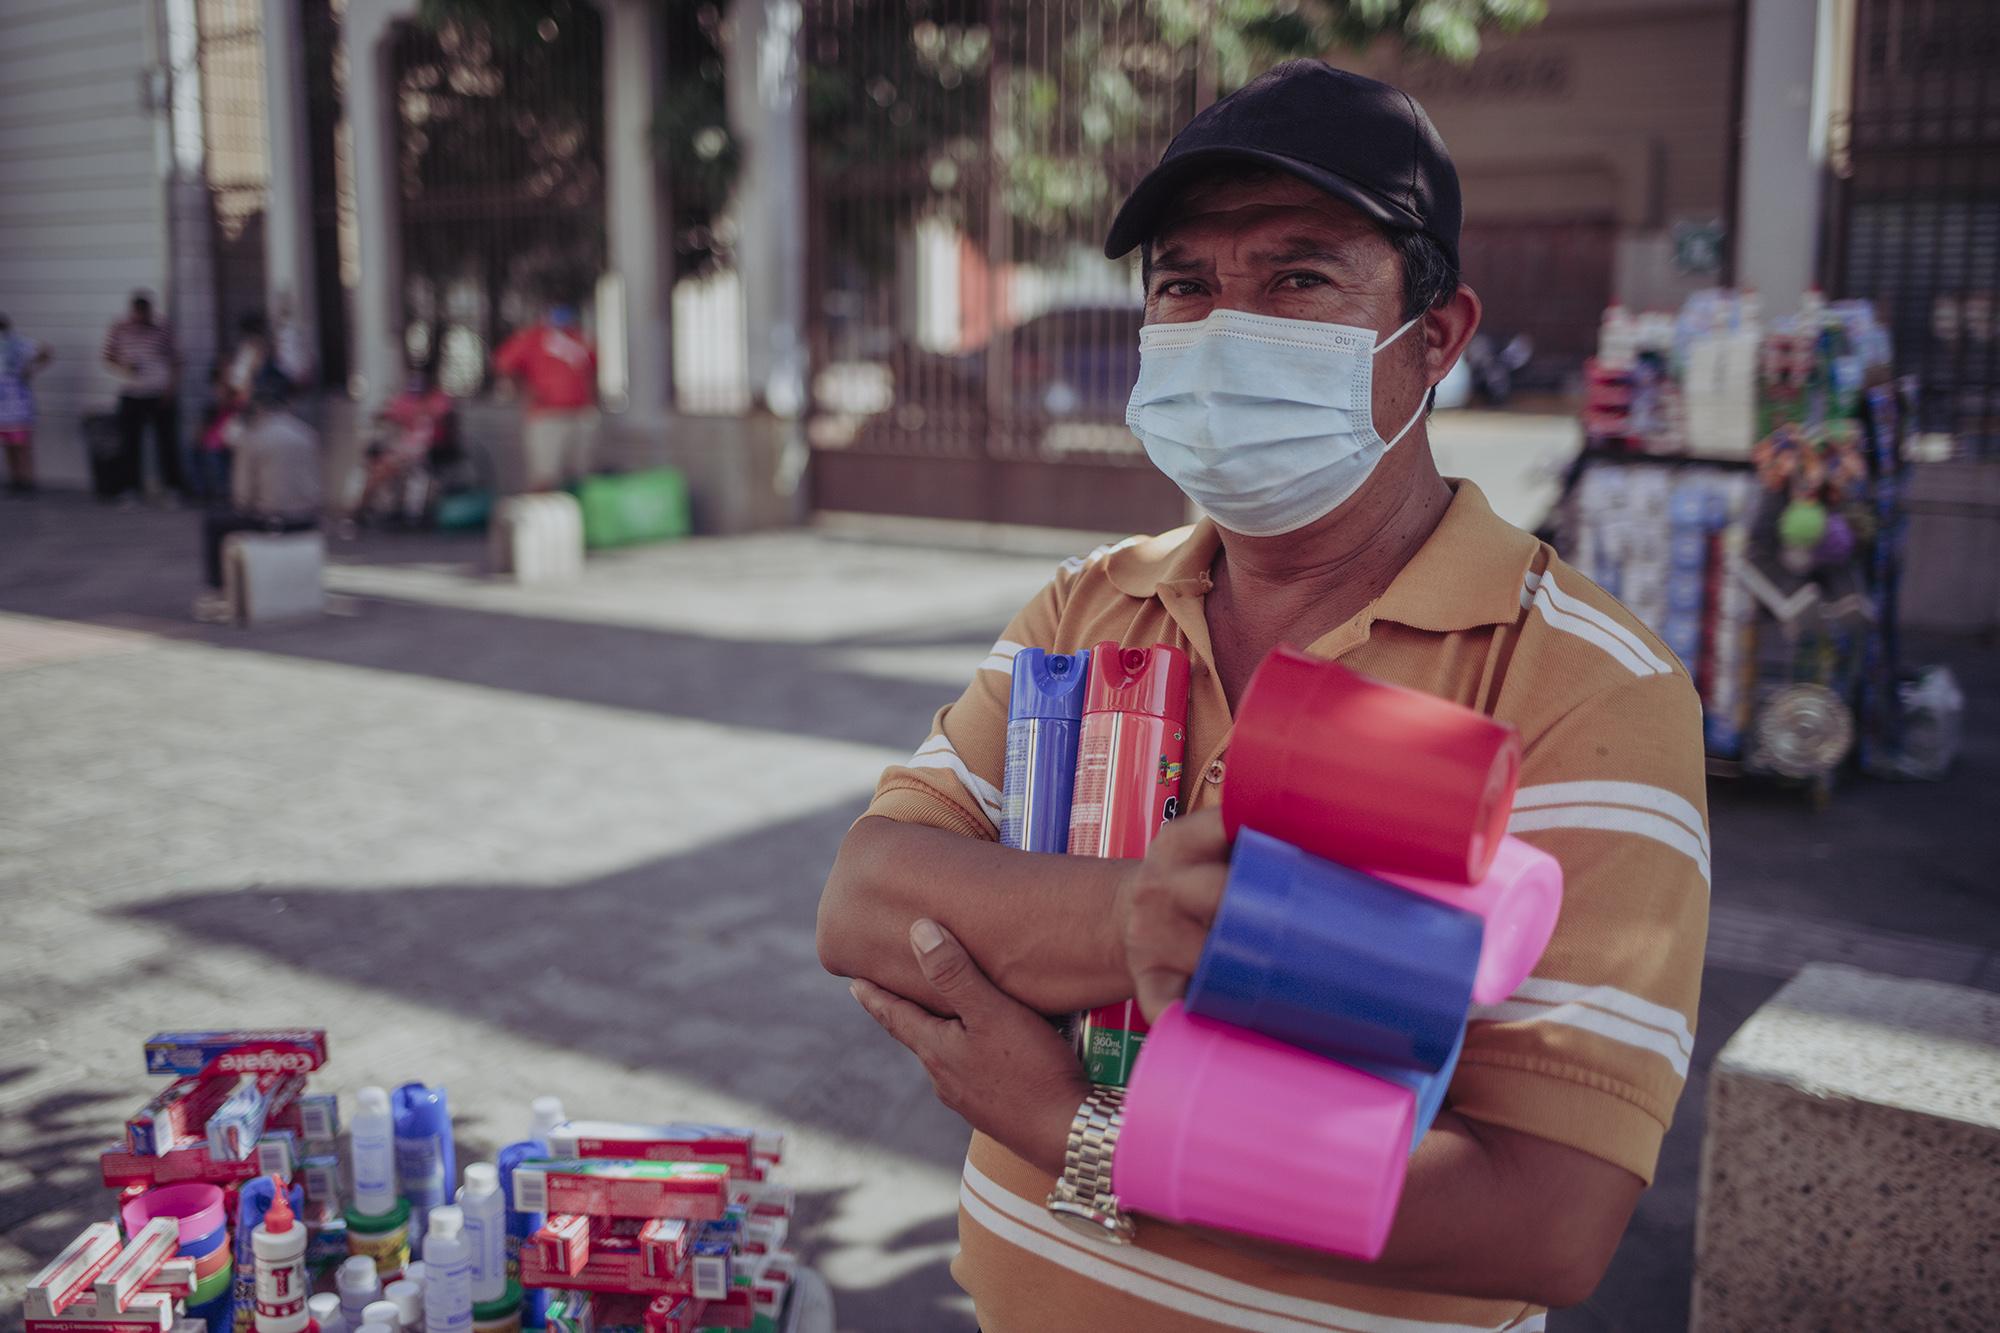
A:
(482, 1177)
(547, 1112)
(420, 1111)
(1048, 685)
(278, 1219)
(1138, 680)
(445, 1222)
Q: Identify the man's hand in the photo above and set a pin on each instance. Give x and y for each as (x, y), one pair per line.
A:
(1167, 903)
(999, 1064)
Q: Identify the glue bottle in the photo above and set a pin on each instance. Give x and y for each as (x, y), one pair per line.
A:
(448, 1273)
(372, 1144)
(279, 1244)
(425, 1167)
(359, 1286)
(1128, 784)
(485, 1212)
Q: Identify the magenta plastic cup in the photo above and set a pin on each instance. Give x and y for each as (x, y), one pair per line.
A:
(1224, 1128)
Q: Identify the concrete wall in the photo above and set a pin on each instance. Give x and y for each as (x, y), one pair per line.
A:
(1610, 108)
(82, 208)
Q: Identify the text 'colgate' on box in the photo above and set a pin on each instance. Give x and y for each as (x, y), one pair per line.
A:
(244, 1051)
(696, 1191)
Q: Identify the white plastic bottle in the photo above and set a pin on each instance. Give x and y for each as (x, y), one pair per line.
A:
(383, 1314)
(408, 1298)
(546, 1113)
(372, 1140)
(414, 1272)
(360, 1285)
(377, 1328)
(324, 1311)
(447, 1273)
(279, 1247)
(485, 1210)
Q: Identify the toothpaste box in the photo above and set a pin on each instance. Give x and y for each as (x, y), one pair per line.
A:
(653, 1143)
(570, 1312)
(562, 1245)
(176, 1278)
(319, 1176)
(697, 1191)
(276, 1151)
(671, 1314)
(613, 1266)
(181, 1109)
(711, 1270)
(291, 1051)
(781, 1267)
(236, 1126)
(663, 1245)
(188, 1159)
(137, 1264)
(149, 1312)
(765, 1235)
(763, 1198)
(319, 1116)
(69, 1277)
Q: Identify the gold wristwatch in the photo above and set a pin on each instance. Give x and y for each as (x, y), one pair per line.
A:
(1082, 1199)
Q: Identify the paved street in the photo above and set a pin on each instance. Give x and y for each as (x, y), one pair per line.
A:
(570, 840)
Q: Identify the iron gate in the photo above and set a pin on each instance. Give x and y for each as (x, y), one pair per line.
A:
(230, 46)
(1916, 219)
(972, 349)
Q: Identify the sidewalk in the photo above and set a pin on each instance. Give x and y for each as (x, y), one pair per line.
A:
(645, 777)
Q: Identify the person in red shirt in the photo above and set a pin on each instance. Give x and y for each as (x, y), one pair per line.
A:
(554, 367)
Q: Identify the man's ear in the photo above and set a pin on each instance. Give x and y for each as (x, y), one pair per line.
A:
(1447, 329)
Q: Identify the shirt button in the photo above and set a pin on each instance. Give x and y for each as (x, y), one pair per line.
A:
(1214, 773)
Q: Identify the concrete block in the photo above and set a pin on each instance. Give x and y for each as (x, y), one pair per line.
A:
(1851, 1169)
(537, 538)
(269, 577)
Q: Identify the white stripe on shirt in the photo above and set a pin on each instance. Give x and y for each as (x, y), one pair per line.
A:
(1568, 605)
(1675, 1047)
(1170, 1282)
(937, 752)
(1616, 819)
(1637, 794)
(1001, 659)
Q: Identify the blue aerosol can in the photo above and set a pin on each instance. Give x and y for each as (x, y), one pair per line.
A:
(1044, 720)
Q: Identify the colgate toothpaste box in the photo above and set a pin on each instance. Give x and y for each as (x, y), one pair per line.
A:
(663, 1245)
(698, 1191)
(562, 1245)
(765, 1235)
(711, 1270)
(69, 1276)
(236, 1126)
(182, 1109)
(736, 1148)
(135, 1267)
(188, 1159)
(608, 1269)
(149, 1312)
(289, 1051)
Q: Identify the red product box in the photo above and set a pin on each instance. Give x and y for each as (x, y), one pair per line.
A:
(738, 1311)
(70, 1275)
(188, 1160)
(614, 1266)
(562, 1245)
(180, 1111)
(142, 1259)
(150, 1312)
(619, 1141)
(663, 1245)
(207, 1054)
(672, 1314)
(176, 1278)
(697, 1191)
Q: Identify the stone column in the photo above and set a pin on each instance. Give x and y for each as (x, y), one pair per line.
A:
(376, 359)
(765, 79)
(1790, 76)
(634, 217)
(288, 256)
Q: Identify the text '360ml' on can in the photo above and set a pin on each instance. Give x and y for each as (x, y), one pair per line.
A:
(1044, 718)
(1128, 783)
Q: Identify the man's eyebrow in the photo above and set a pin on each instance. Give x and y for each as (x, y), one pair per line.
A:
(1176, 259)
(1303, 249)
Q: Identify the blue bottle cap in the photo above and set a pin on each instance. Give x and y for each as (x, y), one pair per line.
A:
(420, 1111)
(1048, 685)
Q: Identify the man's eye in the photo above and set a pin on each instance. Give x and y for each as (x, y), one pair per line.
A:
(1176, 287)
(1301, 281)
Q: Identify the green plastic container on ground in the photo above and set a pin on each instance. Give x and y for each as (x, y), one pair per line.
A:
(649, 506)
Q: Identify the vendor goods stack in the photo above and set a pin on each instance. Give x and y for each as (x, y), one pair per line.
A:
(1373, 897)
(102, 1284)
(656, 1228)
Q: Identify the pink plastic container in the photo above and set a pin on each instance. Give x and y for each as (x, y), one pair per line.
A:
(1227, 1129)
(197, 1207)
(1520, 897)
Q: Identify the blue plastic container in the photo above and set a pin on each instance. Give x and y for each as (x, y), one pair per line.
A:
(520, 1226)
(426, 1166)
(1044, 719)
(1428, 1089)
(1335, 961)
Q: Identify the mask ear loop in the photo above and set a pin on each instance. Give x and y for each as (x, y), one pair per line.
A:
(1430, 395)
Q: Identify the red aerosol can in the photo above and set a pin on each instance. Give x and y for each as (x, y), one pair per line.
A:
(1128, 783)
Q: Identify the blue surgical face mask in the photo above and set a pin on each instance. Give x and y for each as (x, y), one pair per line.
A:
(1263, 422)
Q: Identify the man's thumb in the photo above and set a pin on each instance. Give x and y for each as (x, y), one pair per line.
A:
(945, 963)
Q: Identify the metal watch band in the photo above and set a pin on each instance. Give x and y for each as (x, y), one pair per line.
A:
(1083, 1196)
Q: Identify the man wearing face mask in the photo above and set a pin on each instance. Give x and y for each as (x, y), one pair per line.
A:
(1299, 240)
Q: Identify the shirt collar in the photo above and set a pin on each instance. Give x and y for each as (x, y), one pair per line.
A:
(1469, 572)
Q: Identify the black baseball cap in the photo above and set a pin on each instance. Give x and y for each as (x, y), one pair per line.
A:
(1358, 139)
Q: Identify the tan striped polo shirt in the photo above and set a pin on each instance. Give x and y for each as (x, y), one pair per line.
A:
(1591, 1051)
